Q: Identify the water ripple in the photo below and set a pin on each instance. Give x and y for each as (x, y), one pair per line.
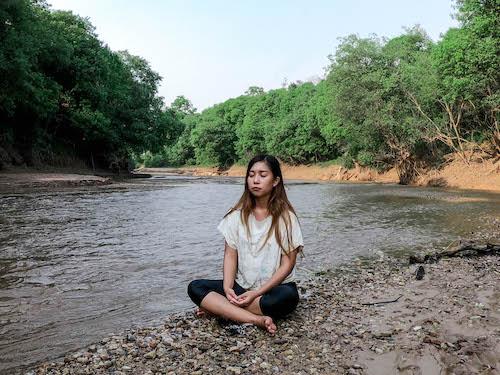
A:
(75, 266)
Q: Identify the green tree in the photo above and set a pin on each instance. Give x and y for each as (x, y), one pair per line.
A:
(182, 106)
(467, 61)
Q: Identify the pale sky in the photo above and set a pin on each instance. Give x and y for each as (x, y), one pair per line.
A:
(213, 50)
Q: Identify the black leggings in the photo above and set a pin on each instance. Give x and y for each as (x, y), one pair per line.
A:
(276, 303)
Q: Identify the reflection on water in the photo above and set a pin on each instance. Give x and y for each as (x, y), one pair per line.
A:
(77, 266)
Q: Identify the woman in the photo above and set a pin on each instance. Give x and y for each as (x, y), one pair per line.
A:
(262, 239)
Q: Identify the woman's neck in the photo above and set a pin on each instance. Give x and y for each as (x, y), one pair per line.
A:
(260, 210)
(261, 203)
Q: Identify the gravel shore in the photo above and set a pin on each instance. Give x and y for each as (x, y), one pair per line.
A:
(373, 318)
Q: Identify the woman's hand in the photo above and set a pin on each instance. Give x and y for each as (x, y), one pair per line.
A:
(231, 295)
(245, 299)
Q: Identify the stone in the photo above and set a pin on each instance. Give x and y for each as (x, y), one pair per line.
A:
(234, 369)
(264, 365)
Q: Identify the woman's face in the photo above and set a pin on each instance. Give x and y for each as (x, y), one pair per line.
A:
(261, 180)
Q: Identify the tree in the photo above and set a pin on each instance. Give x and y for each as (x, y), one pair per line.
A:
(467, 61)
(182, 106)
(254, 91)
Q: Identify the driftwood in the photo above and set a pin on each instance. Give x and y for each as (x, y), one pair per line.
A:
(464, 249)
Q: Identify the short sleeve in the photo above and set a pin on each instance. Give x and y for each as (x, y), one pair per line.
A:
(297, 239)
(228, 227)
(295, 232)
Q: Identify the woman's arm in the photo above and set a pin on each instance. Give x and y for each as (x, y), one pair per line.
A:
(286, 266)
(229, 272)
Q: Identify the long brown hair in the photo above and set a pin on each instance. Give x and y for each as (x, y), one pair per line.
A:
(278, 205)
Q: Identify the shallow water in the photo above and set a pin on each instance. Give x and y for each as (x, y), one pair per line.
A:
(78, 265)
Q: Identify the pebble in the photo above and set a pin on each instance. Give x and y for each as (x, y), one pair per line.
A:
(234, 369)
(382, 334)
(186, 345)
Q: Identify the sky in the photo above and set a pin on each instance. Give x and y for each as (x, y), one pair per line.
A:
(213, 50)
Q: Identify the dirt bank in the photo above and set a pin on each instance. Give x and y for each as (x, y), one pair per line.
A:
(448, 322)
(478, 175)
(15, 181)
(483, 175)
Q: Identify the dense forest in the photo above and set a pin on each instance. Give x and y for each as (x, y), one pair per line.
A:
(405, 101)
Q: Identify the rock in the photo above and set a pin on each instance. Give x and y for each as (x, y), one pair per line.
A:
(382, 334)
(131, 338)
(103, 354)
(303, 346)
(238, 347)
(419, 275)
(264, 365)
(83, 360)
(167, 340)
(153, 344)
(234, 369)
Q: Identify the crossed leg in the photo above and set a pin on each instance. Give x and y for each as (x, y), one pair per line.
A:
(217, 304)
(210, 297)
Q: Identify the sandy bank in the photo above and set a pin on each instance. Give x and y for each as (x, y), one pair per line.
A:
(478, 175)
(448, 322)
(16, 181)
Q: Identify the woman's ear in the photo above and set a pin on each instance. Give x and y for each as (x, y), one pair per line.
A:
(276, 181)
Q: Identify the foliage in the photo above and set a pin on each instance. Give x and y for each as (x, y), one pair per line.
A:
(398, 102)
(63, 87)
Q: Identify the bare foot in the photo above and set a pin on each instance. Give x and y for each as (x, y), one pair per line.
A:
(202, 313)
(267, 323)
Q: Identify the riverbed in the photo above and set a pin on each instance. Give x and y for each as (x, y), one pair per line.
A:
(79, 264)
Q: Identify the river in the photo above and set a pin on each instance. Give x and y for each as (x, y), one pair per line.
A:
(77, 265)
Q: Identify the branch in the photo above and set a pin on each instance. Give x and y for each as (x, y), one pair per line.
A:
(382, 302)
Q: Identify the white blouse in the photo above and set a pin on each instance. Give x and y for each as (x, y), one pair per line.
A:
(258, 263)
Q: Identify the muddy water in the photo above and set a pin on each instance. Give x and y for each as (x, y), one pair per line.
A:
(78, 265)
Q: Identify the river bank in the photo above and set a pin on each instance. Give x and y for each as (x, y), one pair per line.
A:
(27, 180)
(478, 175)
(18, 180)
(448, 322)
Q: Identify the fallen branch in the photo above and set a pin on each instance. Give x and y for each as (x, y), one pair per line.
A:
(382, 302)
(464, 249)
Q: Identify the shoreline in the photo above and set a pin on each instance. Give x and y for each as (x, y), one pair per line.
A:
(479, 176)
(482, 176)
(449, 321)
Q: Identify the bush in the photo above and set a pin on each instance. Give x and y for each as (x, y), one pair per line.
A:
(365, 158)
